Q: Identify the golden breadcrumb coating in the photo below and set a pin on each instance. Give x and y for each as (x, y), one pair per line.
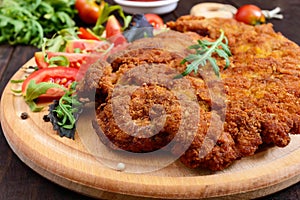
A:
(261, 95)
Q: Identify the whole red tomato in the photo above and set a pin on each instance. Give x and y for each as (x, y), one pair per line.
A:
(88, 10)
(250, 14)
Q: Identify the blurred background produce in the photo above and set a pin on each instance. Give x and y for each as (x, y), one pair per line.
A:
(29, 21)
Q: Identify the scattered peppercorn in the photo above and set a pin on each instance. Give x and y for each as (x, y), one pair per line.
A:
(24, 115)
(31, 69)
(46, 118)
(35, 67)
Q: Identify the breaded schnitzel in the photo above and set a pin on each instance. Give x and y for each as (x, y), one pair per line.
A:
(261, 87)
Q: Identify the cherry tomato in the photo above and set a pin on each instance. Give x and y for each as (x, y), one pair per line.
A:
(60, 75)
(88, 10)
(250, 14)
(87, 34)
(155, 20)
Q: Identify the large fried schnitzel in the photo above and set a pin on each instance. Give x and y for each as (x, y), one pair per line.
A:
(261, 94)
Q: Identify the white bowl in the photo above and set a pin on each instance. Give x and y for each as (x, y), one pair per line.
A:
(140, 7)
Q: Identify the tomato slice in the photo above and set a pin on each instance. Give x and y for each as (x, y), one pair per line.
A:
(117, 39)
(87, 46)
(40, 60)
(114, 31)
(81, 61)
(76, 60)
(60, 75)
(155, 20)
(87, 34)
(113, 26)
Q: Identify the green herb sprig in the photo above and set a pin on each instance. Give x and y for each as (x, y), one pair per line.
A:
(64, 113)
(203, 53)
(68, 105)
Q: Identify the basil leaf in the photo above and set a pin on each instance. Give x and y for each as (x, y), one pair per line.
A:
(33, 107)
(34, 91)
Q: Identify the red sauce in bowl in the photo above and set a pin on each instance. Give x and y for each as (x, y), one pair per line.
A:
(144, 0)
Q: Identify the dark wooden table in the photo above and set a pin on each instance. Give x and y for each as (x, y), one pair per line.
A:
(18, 181)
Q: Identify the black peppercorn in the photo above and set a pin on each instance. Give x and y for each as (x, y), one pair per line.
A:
(46, 118)
(24, 115)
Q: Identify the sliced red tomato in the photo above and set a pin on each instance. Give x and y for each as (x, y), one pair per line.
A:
(80, 61)
(88, 10)
(155, 20)
(87, 46)
(87, 34)
(114, 31)
(117, 39)
(250, 14)
(113, 26)
(40, 60)
(76, 60)
(60, 75)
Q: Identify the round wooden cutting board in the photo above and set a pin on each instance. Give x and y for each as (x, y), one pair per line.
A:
(85, 165)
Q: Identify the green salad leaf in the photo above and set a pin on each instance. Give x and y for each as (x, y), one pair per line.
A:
(29, 21)
(34, 91)
(64, 113)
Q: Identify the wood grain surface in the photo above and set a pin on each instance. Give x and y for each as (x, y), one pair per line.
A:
(81, 164)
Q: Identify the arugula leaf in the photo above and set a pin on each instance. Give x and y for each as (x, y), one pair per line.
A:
(34, 90)
(57, 43)
(204, 50)
(29, 21)
(64, 113)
